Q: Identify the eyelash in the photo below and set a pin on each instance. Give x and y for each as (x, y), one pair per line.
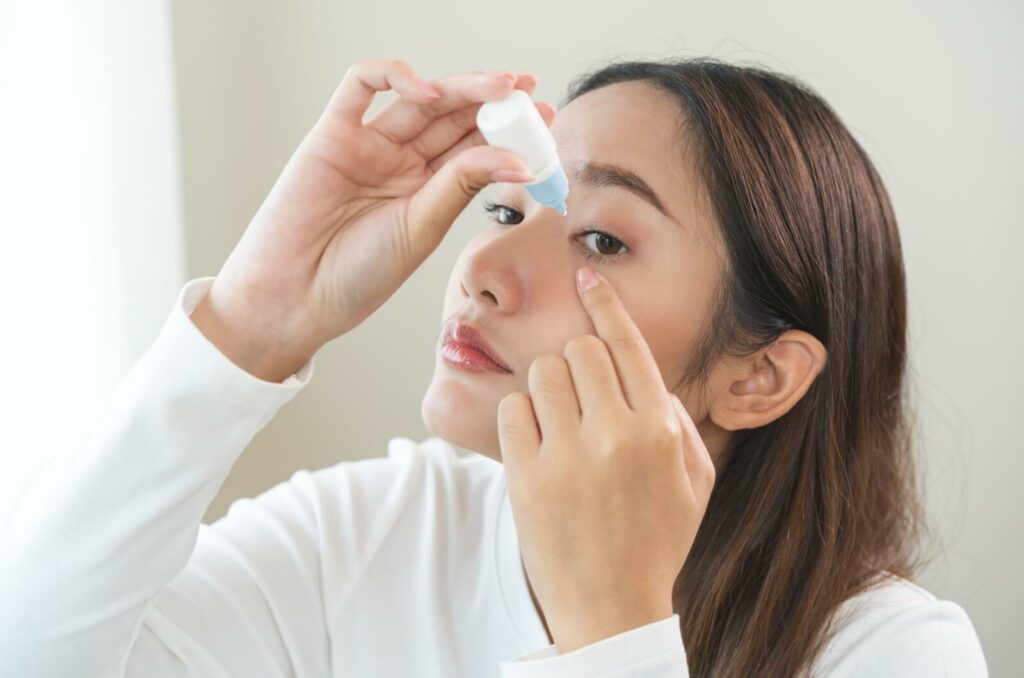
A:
(491, 208)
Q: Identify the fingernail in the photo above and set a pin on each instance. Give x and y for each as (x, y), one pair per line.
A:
(427, 87)
(511, 175)
(586, 278)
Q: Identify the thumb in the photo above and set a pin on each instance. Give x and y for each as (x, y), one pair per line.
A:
(435, 206)
(700, 470)
(677, 404)
(684, 421)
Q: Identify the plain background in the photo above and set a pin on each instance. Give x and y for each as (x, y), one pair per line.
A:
(932, 90)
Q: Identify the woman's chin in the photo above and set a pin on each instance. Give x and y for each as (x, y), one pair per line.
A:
(464, 419)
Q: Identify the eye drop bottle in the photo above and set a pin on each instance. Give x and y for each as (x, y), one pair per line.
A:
(515, 123)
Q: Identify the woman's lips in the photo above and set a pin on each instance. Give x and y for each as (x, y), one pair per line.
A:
(467, 346)
(467, 357)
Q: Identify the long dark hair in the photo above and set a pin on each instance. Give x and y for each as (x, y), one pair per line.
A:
(812, 507)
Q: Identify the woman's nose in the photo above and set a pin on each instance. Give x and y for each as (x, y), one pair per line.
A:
(520, 260)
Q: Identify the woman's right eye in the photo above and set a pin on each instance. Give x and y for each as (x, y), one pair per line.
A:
(498, 211)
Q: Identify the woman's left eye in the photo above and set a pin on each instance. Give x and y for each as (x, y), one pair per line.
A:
(602, 240)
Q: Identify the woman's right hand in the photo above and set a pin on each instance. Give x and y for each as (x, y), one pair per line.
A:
(358, 207)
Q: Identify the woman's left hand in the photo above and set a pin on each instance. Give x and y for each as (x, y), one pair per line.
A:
(607, 476)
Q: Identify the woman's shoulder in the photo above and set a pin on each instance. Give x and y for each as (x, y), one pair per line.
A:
(462, 477)
(417, 477)
(896, 627)
(417, 491)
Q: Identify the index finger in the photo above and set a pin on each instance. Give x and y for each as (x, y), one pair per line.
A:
(641, 379)
(402, 120)
(363, 80)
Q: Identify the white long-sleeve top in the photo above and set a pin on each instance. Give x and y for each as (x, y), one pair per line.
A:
(398, 566)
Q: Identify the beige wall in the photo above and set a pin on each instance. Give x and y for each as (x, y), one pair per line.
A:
(932, 90)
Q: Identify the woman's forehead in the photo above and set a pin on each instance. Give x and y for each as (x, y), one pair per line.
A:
(637, 111)
(634, 126)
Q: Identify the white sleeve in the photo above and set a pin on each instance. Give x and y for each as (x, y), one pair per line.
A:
(103, 527)
(930, 639)
(934, 638)
(651, 651)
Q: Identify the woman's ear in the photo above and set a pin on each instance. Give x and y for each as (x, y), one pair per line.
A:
(754, 392)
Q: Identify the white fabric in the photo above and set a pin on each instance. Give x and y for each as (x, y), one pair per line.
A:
(404, 565)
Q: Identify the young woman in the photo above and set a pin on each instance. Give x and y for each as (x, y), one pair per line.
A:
(697, 466)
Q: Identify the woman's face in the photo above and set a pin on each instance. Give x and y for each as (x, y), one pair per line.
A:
(515, 280)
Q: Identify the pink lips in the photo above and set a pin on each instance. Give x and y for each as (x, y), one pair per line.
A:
(465, 346)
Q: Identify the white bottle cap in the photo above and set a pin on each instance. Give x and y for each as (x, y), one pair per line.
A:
(515, 123)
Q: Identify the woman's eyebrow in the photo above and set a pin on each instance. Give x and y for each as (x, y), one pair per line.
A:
(600, 174)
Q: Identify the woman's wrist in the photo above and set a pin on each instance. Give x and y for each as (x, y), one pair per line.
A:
(252, 342)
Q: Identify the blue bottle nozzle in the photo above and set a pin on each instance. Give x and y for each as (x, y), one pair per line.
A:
(553, 190)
